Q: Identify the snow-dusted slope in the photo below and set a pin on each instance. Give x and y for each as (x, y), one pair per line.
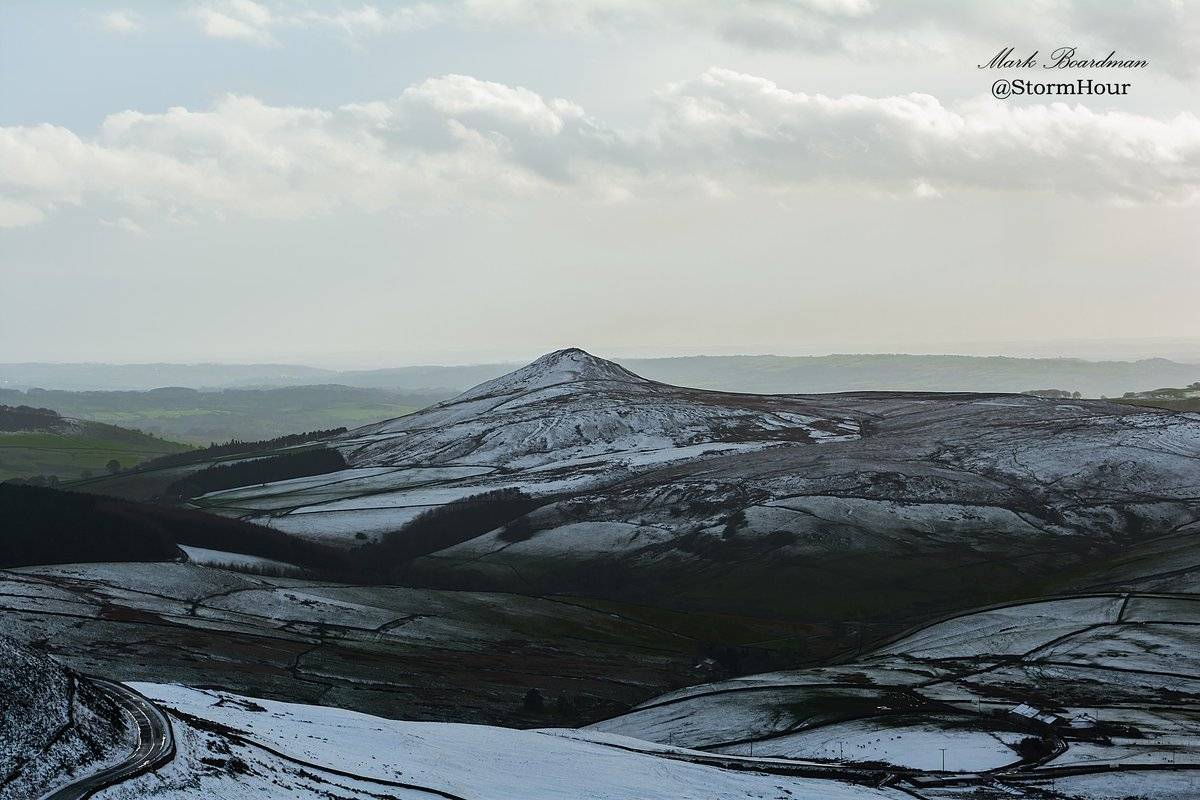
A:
(233, 747)
(828, 505)
(52, 726)
(1095, 695)
(569, 405)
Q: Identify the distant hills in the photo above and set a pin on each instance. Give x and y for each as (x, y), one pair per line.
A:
(196, 417)
(39, 442)
(739, 373)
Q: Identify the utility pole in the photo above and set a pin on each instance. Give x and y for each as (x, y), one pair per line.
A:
(943, 758)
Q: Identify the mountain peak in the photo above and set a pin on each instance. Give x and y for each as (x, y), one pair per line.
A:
(569, 365)
(573, 359)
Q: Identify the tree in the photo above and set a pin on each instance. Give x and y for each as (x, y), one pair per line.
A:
(113, 466)
(534, 700)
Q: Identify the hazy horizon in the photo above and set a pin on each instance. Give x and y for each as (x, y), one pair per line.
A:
(1180, 350)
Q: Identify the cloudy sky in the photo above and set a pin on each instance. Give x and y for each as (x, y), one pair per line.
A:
(395, 182)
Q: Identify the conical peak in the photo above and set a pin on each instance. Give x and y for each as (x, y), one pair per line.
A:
(568, 365)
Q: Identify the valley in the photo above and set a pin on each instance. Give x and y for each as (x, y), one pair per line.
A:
(690, 588)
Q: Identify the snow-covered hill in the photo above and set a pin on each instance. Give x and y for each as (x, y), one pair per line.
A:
(834, 507)
(569, 406)
(52, 725)
(1085, 697)
(235, 747)
(1092, 695)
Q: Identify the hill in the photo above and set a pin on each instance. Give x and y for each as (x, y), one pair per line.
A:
(841, 512)
(40, 442)
(201, 417)
(1186, 399)
(1091, 694)
(52, 725)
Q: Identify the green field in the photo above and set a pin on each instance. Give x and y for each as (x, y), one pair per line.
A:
(1181, 404)
(201, 418)
(87, 447)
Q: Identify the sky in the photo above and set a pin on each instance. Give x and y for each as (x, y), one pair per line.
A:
(383, 183)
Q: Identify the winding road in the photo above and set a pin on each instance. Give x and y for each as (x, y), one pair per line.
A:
(156, 744)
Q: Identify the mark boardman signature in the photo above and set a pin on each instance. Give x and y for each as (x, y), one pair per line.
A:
(1061, 58)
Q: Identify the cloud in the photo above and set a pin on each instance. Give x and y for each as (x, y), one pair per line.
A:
(122, 21)
(18, 214)
(124, 224)
(257, 23)
(242, 20)
(752, 126)
(1165, 31)
(459, 142)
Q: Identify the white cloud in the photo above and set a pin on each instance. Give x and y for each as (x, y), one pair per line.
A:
(752, 126)
(1165, 31)
(459, 142)
(256, 23)
(18, 214)
(122, 21)
(124, 224)
(236, 19)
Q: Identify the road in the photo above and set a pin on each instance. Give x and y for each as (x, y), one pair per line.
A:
(156, 744)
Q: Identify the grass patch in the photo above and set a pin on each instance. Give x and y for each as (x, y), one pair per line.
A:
(69, 455)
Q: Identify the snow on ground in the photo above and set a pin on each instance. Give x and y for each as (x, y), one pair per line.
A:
(341, 528)
(1182, 785)
(915, 744)
(468, 761)
(308, 605)
(1162, 609)
(737, 714)
(52, 726)
(570, 405)
(1006, 631)
(898, 674)
(585, 537)
(1153, 647)
(202, 555)
(941, 519)
(403, 498)
(333, 486)
(177, 580)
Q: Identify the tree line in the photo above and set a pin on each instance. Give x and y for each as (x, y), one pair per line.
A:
(236, 447)
(51, 526)
(254, 471)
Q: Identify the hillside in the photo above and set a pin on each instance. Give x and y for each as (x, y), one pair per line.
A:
(48, 526)
(53, 725)
(202, 417)
(40, 442)
(1185, 400)
(843, 512)
(1087, 696)
(241, 747)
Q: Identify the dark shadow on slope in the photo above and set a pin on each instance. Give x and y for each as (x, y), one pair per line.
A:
(47, 526)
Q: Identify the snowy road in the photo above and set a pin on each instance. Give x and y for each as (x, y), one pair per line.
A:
(156, 744)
